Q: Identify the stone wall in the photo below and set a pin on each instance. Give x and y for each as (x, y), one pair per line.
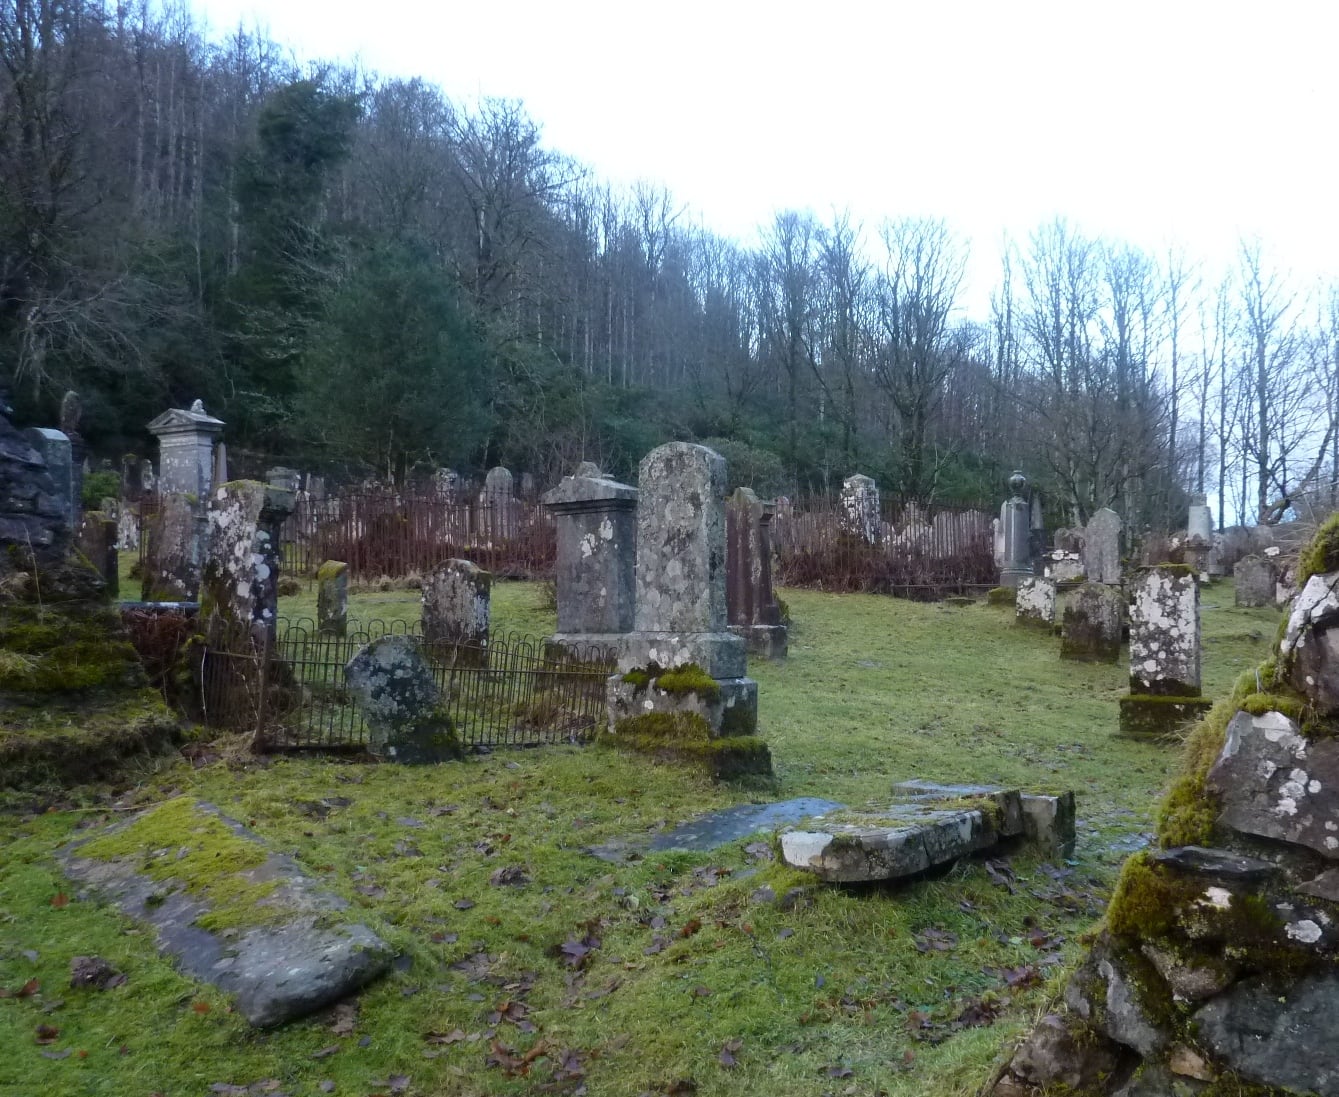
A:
(34, 515)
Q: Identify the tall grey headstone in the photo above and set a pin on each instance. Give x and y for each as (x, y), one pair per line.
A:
(1101, 548)
(1199, 535)
(186, 441)
(1016, 528)
(860, 512)
(457, 609)
(497, 503)
(595, 574)
(751, 606)
(240, 583)
(175, 558)
(1164, 652)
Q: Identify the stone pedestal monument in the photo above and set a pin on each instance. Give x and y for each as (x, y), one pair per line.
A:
(1015, 534)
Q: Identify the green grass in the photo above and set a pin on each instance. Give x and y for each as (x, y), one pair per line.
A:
(689, 960)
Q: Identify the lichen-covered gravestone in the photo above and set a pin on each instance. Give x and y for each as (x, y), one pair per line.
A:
(1101, 548)
(681, 689)
(1164, 653)
(1256, 582)
(594, 576)
(399, 696)
(175, 560)
(1091, 625)
(860, 515)
(751, 606)
(1034, 602)
(457, 601)
(241, 574)
(332, 598)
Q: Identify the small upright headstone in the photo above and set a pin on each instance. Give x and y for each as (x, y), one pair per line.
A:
(1034, 602)
(1164, 653)
(97, 541)
(1101, 548)
(175, 560)
(861, 515)
(1091, 625)
(1199, 536)
(1016, 530)
(220, 463)
(457, 610)
(528, 486)
(1257, 581)
(446, 483)
(332, 598)
(398, 695)
(71, 412)
(751, 606)
(148, 480)
(497, 503)
(596, 521)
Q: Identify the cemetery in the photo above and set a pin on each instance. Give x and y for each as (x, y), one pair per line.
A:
(611, 788)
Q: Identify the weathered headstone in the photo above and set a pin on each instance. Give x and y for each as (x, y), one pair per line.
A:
(1101, 548)
(240, 583)
(446, 483)
(595, 573)
(71, 412)
(1016, 532)
(398, 695)
(332, 597)
(1091, 625)
(283, 477)
(497, 503)
(186, 450)
(1063, 566)
(1164, 653)
(457, 601)
(220, 463)
(175, 560)
(97, 541)
(751, 606)
(1199, 536)
(528, 486)
(860, 514)
(1256, 581)
(681, 672)
(1034, 602)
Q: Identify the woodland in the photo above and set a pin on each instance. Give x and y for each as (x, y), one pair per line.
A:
(363, 277)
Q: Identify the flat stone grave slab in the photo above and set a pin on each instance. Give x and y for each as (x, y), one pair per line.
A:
(281, 946)
(720, 828)
(1045, 820)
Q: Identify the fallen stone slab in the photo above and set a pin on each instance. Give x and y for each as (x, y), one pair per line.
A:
(1044, 820)
(720, 828)
(258, 927)
(905, 841)
(1008, 802)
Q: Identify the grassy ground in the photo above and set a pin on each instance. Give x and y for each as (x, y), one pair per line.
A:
(654, 974)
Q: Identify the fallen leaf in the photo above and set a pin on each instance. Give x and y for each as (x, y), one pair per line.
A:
(59, 900)
(343, 1018)
(200, 1007)
(727, 1056)
(690, 927)
(47, 1034)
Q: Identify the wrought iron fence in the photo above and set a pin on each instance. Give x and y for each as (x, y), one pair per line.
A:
(512, 690)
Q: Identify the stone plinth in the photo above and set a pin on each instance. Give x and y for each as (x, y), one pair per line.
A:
(1034, 602)
(1101, 548)
(241, 572)
(1164, 652)
(595, 574)
(860, 513)
(1256, 582)
(457, 608)
(751, 606)
(1091, 626)
(186, 450)
(332, 598)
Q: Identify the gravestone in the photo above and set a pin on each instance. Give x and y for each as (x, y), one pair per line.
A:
(497, 504)
(148, 479)
(175, 560)
(1256, 581)
(589, 469)
(127, 527)
(681, 674)
(220, 475)
(332, 598)
(1063, 566)
(446, 483)
(595, 572)
(751, 606)
(398, 696)
(240, 583)
(97, 541)
(1199, 536)
(1101, 548)
(1034, 602)
(457, 611)
(1015, 545)
(1164, 653)
(131, 485)
(186, 441)
(1090, 629)
(71, 412)
(283, 477)
(859, 513)
(528, 487)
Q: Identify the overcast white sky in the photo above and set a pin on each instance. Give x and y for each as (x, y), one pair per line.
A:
(1174, 122)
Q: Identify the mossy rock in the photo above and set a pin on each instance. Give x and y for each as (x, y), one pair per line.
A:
(1001, 596)
(1155, 717)
(1321, 555)
(677, 682)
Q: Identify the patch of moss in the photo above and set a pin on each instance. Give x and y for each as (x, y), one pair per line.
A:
(1001, 596)
(178, 844)
(1292, 706)
(1321, 554)
(689, 678)
(331, 569)
(686, 738)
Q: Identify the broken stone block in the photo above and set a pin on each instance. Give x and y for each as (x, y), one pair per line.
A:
(1274, 783)
(1049, 822)
(1034, 602)
(1091, 625)
(1008, 803)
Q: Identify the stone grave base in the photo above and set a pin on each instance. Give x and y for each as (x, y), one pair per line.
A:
(728, 706)
(1151, 717)
(766, 641)
(720, 654)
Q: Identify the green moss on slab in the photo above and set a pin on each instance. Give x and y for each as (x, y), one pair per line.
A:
(1321, 554)
(1001, 596)
(677, 682)
(1152, 717)
(739, 719)
(180, 845)
(686, 738)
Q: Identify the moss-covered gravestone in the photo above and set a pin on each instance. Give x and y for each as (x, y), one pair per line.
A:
(332, 598)
(457, 601)
(1164, 653)
(1090, 629)
(240, 585)
(398, 695)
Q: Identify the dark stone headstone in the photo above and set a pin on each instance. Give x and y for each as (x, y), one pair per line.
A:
(751, 606)
(1256, 581)
(1091, 626)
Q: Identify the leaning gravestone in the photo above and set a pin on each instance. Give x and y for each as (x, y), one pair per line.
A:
(1256, 582)
(1092, 623)
(860, 515)
(457, 610)
(1034, 602)
(332, 598)
(1164, 653)
(1101, 548)
(398, 696)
